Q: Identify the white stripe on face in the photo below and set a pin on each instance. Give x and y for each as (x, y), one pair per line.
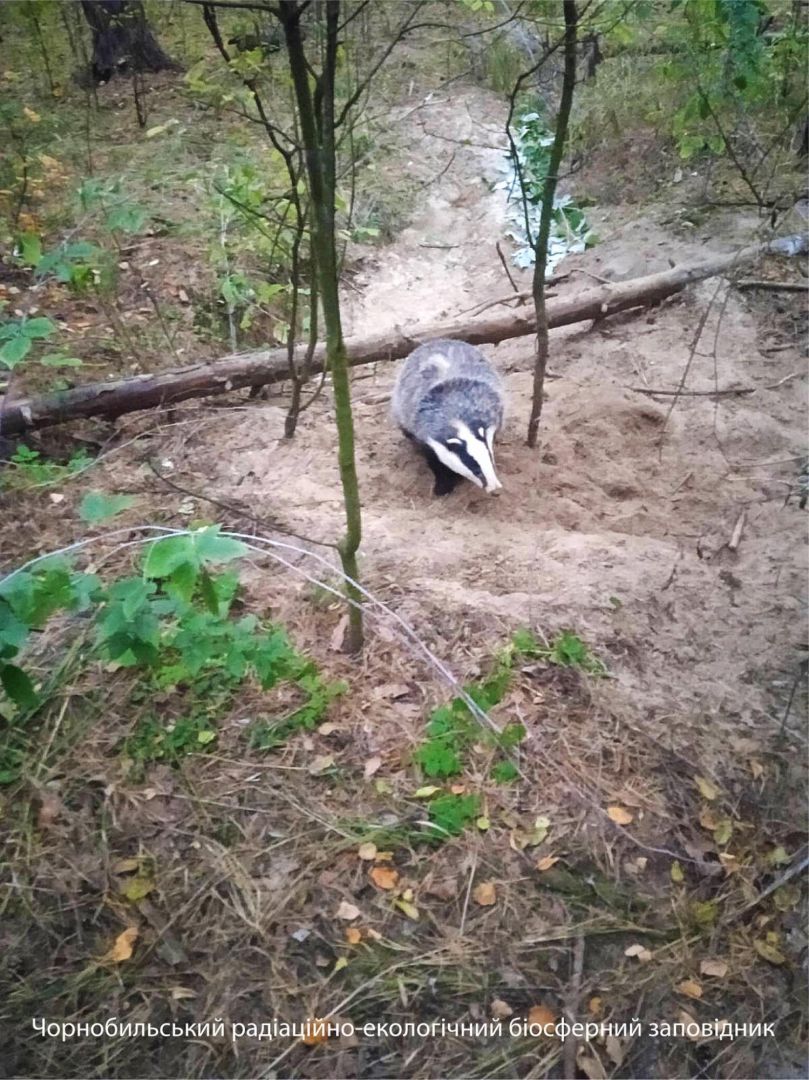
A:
(481, 450)
(446, 456)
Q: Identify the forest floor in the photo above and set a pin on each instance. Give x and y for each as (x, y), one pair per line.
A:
(630, 872)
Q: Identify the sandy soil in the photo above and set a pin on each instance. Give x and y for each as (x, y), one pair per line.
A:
(619, 525)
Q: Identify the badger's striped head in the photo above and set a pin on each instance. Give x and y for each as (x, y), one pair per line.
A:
(469, 453)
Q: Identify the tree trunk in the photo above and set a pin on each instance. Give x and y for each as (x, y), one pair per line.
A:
(114, 398)
(548, 195)
(123, 41)
(317, 120)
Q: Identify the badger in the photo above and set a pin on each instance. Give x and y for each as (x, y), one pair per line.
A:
(449, 401)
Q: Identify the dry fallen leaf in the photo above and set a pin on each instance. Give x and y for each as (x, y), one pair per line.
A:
(320, 764)
(595, 1006)
(716, 968)
(384, 877)
(137, 888)
(182, 993)
(769, 951)
(590, 1066)
(315, 1032)
(723, 831)
(457, 789)
(500, 1010)
(620, 815)
(640, 951)
(372, 765)
(50, 808)
(707, 790)
(338, 637)
(353, 935)
(541, 1016)
(410, 910)
(485, 894)
(347, 911)
(374, 935)
(691, 988)
(708, 819)
(615, 1051)
(547, 861)
(122, 947)
(756, 768)
(126, 866)
(367, 851)
(686, 1018)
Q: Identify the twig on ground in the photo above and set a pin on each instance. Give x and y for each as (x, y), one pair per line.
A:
(775, 286)
(800, 863)
(502, 258)
(738, 528)
(571, 1007)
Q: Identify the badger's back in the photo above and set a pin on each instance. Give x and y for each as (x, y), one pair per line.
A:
(444, 369)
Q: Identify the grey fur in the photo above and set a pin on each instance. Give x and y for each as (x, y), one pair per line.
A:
(442, 382)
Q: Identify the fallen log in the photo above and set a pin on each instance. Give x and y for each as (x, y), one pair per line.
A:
(115, 397)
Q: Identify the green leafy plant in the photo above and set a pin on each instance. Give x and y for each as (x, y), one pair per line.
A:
(570, 230)
(18, 337)
(174, 624)
(26, 468)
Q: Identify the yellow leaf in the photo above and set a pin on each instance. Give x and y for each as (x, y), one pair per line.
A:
(410, 910)
(485, 894)
(718, 969)
(542, 1016)
(769, 952)
(547, 861)
(707, 790)
(367, 852)
(384, 877)
(353, 935)
(595, 1006)
(347, 911)
(122, 947)
(425, 792)
(620, 815)
(756, 768)
(483, 823)
(315, 1032)
(541, 826)
(677, 874)
(340, 963)
(31, 115)
(723, 831)
(137, 888)
(691, 988)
